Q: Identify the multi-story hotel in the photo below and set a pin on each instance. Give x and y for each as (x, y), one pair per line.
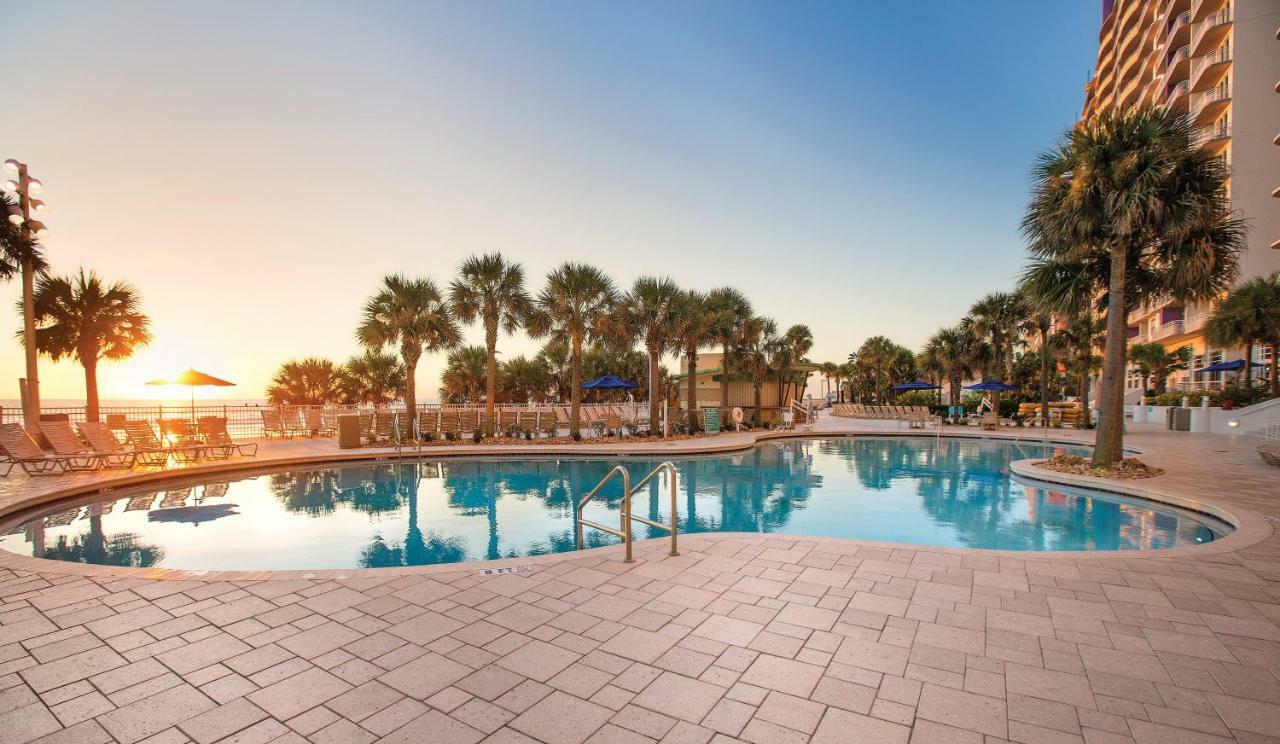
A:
(1219, 62)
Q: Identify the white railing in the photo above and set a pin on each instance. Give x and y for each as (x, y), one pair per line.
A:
(1217, 56)
(1172, 328)
(1217, 19)
(1181, 89)
(1212, 132)
(1219, 92)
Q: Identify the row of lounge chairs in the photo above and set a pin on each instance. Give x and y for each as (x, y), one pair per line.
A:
(95, 446)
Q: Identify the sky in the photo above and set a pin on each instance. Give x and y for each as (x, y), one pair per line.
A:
(254, 169)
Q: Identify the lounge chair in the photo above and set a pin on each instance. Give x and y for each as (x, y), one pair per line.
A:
(66, 444)
(214, 431)
(1270, 454)
(428, 423)
(23, 451)
(313, 420)
(450, 425)
(291, 418)
(150, 449)
(104, 444)
(182, 438)
(272, 423)
(613, 423)
(384, 426)
(509, 421)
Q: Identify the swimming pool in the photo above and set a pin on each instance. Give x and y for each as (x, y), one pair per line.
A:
(921, 491)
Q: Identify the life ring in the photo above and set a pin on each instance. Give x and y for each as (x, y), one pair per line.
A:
(737, 416)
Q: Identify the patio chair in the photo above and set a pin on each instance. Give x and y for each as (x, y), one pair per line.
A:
(23, 451)
(181, 435)
(104, 444)
(272, 423)
(150, 449)
(450, 424)
(384, 426)
(313, 421)
(291, 419)
(66, 444)
(428, 423)
(214, 431)
(329, 421)
(990, 420)
(613, 423)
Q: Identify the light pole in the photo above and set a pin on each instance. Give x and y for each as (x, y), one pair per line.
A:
(24, 187)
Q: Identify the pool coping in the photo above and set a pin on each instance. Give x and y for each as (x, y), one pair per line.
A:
(1250, 527)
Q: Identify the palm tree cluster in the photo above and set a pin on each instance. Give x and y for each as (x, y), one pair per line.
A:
(372, 377)
(591, 327)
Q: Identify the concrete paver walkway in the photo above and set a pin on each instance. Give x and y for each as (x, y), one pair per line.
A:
(753, 638)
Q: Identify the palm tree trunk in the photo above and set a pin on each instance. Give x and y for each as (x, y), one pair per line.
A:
(724, 380)
(691, 396)
(410, 384)
(575, 393)
(491, 377)
(90, 389)
(1108, 445)
(757, 381)
(1044, 374)
(654, 355)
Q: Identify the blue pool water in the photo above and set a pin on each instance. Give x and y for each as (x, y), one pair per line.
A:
(922, 491)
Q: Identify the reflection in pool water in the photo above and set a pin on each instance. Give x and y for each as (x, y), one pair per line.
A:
(944, 492)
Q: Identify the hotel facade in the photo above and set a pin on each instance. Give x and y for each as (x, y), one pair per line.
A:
(1219, 62)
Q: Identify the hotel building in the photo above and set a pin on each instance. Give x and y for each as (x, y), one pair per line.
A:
(1219, 62)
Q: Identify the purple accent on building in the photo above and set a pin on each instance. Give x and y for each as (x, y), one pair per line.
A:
(1132, 332)
(1170, 314)
(1107, 7)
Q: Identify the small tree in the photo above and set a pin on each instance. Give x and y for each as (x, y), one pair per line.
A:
(1248, 316)
(1155, 363)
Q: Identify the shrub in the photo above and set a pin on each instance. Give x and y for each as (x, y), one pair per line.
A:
(476, 436)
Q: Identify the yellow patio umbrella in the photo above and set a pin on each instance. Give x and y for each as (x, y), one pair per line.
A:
(193, 379)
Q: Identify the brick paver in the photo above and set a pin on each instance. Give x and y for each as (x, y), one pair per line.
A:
(741, 637)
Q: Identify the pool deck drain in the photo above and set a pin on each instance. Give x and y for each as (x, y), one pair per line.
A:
(753, 638)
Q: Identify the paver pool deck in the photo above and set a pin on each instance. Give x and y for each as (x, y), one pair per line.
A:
(758, 638)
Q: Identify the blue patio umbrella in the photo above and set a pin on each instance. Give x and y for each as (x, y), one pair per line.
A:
(991, 386)
(609, 382)
(914, 385)
(1234, 365)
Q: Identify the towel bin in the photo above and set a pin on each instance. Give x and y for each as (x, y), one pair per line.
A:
(348, 431)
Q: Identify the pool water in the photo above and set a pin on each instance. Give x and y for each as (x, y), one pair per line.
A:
(921, 491)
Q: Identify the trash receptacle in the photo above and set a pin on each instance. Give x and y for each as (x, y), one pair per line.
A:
(1179, 419)
(711, 419)
(348, 431)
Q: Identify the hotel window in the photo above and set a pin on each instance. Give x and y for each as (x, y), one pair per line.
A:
(1214, 358)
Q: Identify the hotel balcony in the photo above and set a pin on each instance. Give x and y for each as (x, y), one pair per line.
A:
(1177, 96)
(1177, 65)
(1207, 71)
(1213, 137)
(1210, 32)
(1168, 330)
(1200, 9)
(1193, 323)
(1207, 105)
(1179, 32)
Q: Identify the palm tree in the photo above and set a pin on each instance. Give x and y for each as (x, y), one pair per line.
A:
(464, 377)
(570, 309)
(951, 349)
(525, 380)
(696, 328)
(755, 350)
(492, 289)
(1155, 363)
(1080, 338)
(1250, 315)
(373, 377)
(994, 320)
(83, 317)
(649, 312)
(1132, 198)
(732, 311)
(554, 357)
(883, 363)
(1038, 320)
(828, 370)
(410, 313)
(307, 382)
(15, 248)
(846, 371)
(792, 346)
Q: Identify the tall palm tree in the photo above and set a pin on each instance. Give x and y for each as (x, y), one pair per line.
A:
(792, 346)
(649, 312)
(411, 314)
(306, 382)
(732, 311)
(82, 317)
(373, 377)
(464, 377)
(828, 371)
(1132, 198)
(695, 329)
(951, 348)
(570, 309)
(1082, 336)
(1038, 320)
(490, 288)
(883, 363)
(994, 320)
(845, 371)
(756, 351)
(1250, 315)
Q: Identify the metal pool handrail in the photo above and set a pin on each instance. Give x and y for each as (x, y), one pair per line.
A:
(626, 517)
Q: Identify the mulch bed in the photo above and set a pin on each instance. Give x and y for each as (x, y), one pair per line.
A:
(1127, 469)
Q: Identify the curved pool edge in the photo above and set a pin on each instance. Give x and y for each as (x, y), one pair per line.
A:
(1258, 528)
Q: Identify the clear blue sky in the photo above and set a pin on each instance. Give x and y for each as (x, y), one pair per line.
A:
(860, 167)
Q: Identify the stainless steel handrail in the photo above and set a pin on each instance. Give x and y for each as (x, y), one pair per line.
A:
(625, 516)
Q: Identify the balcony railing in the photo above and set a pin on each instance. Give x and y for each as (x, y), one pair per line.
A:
(1219, 92)
(1178, 22)
(1222, 17)
(1172, 328)
(1216, 57)
(1193, 323)
(1218, 131)
(1181, 89)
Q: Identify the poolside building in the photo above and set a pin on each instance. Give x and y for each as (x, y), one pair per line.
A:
(1219, 62)
(711, 377)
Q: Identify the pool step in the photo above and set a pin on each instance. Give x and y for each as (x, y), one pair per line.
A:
(623, 530)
